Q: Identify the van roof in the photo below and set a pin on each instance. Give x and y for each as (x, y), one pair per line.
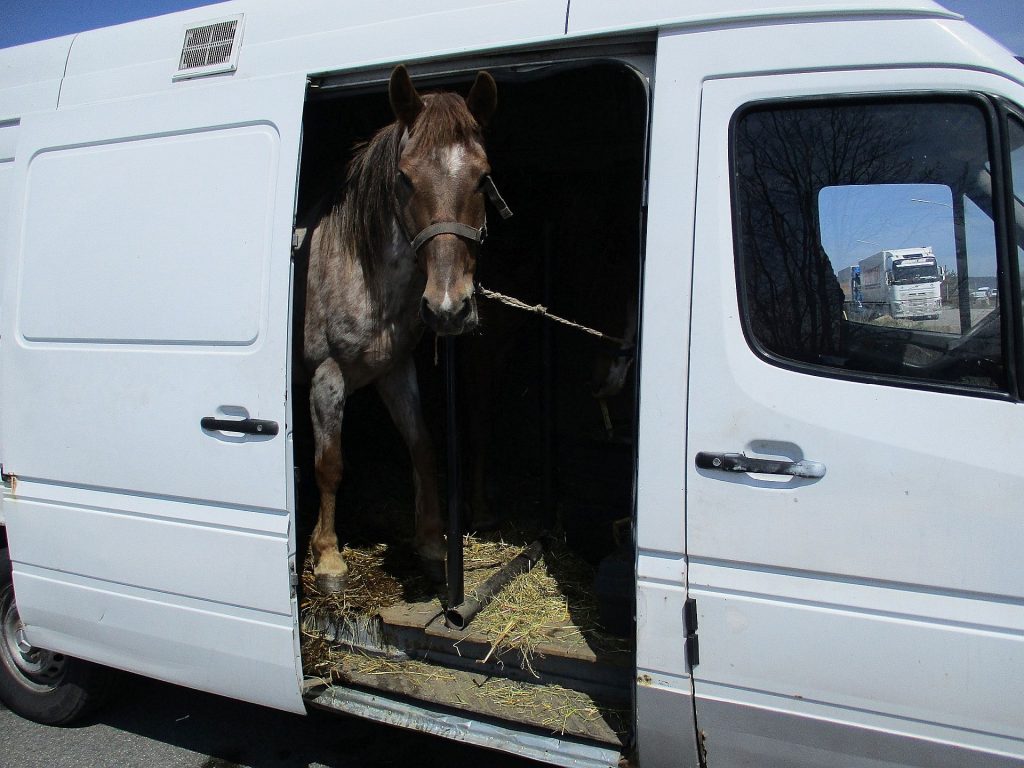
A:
(637, 14)
(593, 15)
(315, 36)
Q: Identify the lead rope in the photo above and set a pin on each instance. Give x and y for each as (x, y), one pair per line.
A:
(540, 309)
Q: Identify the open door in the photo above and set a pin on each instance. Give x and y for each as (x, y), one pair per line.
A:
(146, 433)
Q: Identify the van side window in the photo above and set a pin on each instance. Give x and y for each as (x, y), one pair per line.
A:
(866, 241)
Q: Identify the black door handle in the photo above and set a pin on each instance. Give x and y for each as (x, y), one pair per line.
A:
(738, 462)
(245, 426)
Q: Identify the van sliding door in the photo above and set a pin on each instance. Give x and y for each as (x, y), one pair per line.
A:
(145, 376)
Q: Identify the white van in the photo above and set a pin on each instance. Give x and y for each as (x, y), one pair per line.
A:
(825, 550)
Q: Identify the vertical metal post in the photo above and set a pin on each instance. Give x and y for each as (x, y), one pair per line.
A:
(454, 485)
(547, 394)
(963, 277)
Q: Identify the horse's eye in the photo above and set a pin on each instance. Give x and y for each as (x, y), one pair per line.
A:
(404, 180)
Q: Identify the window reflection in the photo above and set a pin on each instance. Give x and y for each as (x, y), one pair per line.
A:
(866, 238)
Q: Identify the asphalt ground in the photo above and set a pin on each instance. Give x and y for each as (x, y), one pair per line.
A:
(148, 724)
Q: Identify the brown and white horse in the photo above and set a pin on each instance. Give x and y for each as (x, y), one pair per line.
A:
(396, 253)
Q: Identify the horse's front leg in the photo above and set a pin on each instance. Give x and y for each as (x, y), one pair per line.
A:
(327, 405)
(401, 394)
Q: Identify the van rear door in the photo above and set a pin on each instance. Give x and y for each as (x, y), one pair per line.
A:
(145, 361)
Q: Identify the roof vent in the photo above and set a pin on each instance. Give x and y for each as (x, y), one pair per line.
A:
(210, 49)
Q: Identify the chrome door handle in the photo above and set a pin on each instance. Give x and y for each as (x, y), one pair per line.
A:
(244, 426)
(739, 462)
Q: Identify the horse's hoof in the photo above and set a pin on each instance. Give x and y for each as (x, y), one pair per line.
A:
(330, 583)
(434, 571)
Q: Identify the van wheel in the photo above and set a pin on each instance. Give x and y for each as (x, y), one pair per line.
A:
(37, 684)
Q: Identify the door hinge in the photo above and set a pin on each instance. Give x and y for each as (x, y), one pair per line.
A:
(293, 579)
(690, 626)
(298, 237)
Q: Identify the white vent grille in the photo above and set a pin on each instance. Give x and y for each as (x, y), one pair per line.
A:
(210, 48)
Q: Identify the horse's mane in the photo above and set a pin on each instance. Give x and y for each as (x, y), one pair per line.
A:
(363, 212)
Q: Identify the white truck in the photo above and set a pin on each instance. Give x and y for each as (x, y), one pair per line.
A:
(902, 283)
(804, 586)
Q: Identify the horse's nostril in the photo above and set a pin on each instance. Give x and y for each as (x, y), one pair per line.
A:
(464, 310)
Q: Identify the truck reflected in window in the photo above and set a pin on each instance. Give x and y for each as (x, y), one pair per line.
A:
(903, 283)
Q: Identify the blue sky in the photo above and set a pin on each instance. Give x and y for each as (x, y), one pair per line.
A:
(22, 21)
(857, 221)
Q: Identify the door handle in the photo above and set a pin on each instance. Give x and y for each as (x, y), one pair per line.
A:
(739, 462)
(245, 426)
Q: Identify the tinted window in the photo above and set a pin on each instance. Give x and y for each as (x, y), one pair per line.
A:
(866, 241)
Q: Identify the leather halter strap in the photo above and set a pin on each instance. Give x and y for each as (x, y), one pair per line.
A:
(460, 229)
(491, 190)
(450, 228)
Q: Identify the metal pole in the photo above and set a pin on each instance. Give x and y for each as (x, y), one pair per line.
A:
(454, 574)
(547, 390)
(963, 277)
(460, 615)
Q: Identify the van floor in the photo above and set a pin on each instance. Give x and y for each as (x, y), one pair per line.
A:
(535, 655)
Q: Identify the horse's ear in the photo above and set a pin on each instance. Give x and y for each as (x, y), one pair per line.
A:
(483, 98)
(405, 102)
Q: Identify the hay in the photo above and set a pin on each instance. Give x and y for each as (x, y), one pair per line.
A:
(376, 666)
(550, 706)
(558, 709)
(316, 656)
(551, 604)
(379, 576)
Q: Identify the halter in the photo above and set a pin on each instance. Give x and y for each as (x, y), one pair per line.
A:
(460, 229)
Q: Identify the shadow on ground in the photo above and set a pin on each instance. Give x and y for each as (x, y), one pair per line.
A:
(224, 733)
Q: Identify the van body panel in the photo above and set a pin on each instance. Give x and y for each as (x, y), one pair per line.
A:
(664, 719)
(30, 79)
(594, 16)
(219, 648)
(156, 307)
(663, 674)
(160, 297)
(131, 60)
(875, 598)
(30, 76)
(147, 533)
(765, 737)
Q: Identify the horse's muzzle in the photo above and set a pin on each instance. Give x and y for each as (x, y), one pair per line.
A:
(460, 319)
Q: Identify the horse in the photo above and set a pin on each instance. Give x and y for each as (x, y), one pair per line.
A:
(394, 254)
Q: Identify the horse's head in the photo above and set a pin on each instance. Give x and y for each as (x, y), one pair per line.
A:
(440, 190)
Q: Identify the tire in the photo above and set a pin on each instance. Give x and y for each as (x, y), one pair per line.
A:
(39, 685)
